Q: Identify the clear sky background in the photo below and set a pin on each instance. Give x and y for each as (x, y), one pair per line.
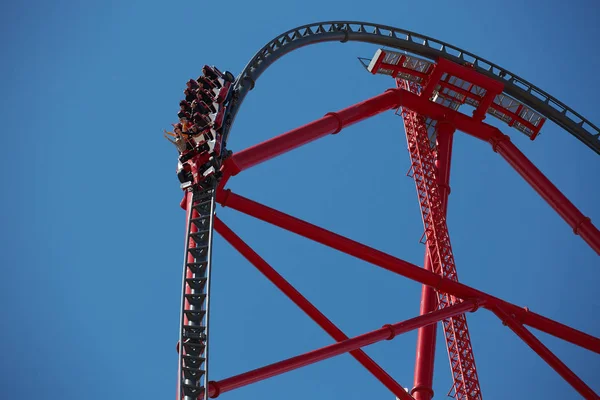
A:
(92, 233)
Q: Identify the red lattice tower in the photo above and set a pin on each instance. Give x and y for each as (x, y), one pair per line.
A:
(439, 249)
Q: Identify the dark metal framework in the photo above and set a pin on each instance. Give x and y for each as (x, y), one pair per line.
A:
(444, 298)
(353, 31)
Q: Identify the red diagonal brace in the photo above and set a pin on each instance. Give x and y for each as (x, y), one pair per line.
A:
(546, 354)
(334, 122)
(401, 267)
(580, 224)
(387, 332)
(306, 306)
(331, 123)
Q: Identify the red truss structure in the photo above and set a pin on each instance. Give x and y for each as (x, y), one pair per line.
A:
(439, 251)
(428, 95)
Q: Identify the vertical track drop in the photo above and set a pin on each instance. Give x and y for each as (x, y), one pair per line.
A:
(194, 333)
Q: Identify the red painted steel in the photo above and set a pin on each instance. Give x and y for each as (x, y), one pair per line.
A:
(434, 76)
(388, 332)
(426, 339)
(445, 136)
(228, 199)
(581, 224)
(279, 281)
(470, 75)
(439, 275)
(546, 354)
(458, 341)
(331, 123)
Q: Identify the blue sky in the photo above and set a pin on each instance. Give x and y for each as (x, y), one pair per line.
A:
(93, 235)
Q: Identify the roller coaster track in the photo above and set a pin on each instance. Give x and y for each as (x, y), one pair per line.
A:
(346, 31)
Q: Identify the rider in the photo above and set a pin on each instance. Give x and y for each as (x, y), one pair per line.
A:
(207, 83)
(192, 84)
(210, 73)
(190, 94)
(178, 140)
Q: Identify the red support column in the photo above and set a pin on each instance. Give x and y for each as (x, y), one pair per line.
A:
(388, 332)
(331, 123)
(426, 339)
(306, 306)
(546, 354)
(228, 199)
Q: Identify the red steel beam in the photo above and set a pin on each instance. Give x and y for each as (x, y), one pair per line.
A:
(388, 332)
(302, 302)
(331, 123)
(581, 224)
(545, 353)
(392, 98)
(444, 138)
(228, 199)
(426, 338)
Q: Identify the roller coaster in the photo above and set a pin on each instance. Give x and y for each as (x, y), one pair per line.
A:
(433, 80)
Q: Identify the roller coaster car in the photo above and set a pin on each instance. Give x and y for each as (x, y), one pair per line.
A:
(200, 118)
(216, 150)
(200, 156)
(217, 118)
(207, 96)
(208, 84)
(207, 143)
(206, 174)
(183, 114)
(218, 95)
(214, 119)
(184, 172)
(190, 94)
(225, 93)
(213, 72)
(209, 133)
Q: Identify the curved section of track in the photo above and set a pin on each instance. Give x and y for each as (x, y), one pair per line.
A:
(415, 43)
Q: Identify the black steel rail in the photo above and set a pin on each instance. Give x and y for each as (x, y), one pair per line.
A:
(346, 31)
